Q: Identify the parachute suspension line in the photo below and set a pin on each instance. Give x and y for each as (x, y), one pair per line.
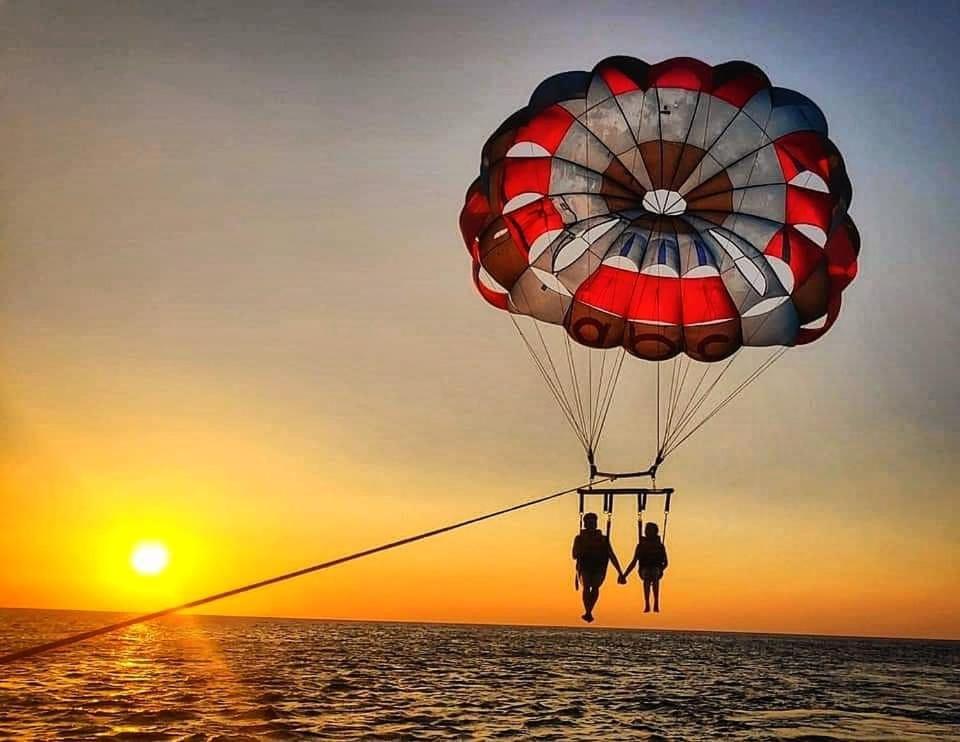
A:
(556, 374)
(771, 359)
(690, 413)
(683, 379)
(555, 389)
(557, 393)
(666, 412)
(693, 393)
(676, 385)
(590, 394)
(658, 406)
(567, 413)
(600, 393)
(603, 383)
(596, 410)
(693, 406)
(567, 384)
(605, 386)
(697, 404)
(575, 383)
(663, 409)
(611, 388)
(75, 638)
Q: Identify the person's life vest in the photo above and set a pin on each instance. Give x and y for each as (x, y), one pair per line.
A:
(650, 552)
(593, 550)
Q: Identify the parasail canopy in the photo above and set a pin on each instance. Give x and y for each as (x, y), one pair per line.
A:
(664, 211)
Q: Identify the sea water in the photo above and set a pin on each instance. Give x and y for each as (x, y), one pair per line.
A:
(201, 678)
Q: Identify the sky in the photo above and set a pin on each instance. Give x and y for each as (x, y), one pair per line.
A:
(236, 316)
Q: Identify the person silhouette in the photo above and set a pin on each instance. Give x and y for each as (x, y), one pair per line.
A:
(651, 559)
(592, 552)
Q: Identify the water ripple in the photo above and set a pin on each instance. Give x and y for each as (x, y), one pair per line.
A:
(204, 679)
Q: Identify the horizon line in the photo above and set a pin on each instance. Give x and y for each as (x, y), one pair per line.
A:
(572, 627)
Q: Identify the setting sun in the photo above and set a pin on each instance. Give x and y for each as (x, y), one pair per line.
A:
(149, 557)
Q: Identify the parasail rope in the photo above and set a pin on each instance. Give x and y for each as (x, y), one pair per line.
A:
(83, 636)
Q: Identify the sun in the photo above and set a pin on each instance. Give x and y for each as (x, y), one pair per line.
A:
(149, 558)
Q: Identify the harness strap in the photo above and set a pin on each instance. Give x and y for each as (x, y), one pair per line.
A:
(666, 515)
(641, 505)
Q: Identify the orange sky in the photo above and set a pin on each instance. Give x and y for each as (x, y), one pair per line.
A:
(236, 317)
(244, 498)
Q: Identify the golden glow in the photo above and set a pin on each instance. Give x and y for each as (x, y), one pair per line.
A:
(149, 558)
(232, 510)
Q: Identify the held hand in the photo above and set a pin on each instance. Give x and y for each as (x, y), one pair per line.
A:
(622, 579)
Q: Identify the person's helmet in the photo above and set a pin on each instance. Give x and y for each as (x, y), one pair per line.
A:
(651, 529)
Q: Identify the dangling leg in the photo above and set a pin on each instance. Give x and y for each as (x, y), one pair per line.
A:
(590, 596)
(656, 596)
(646, 596)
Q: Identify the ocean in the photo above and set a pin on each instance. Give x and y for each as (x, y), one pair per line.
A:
(217, 678)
